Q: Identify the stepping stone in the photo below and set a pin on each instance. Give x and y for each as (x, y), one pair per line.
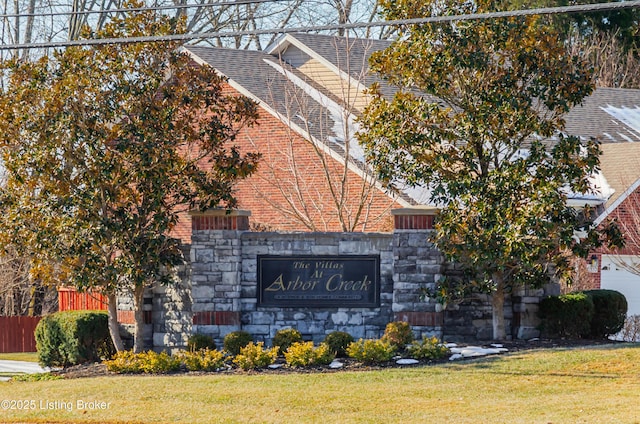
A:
(407, 361)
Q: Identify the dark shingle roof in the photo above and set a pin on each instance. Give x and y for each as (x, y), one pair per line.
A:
(608, 114)
(612, 115)
(257, 74)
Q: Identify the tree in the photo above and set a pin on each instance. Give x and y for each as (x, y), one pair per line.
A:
(19, 294)
(104, 147)
(615, 65)
(478, 122)
(27, 21)
(316, 180)
(609, 40)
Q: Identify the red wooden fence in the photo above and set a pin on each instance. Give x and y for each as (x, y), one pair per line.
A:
(71, 300)
(16, 334)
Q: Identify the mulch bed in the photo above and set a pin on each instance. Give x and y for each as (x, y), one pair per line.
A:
(99, 370)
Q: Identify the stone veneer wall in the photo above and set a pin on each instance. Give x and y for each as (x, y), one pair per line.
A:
(219, 290)
(314, 323)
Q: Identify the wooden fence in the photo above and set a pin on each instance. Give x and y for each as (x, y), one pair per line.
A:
(17, 334)
(70, 299)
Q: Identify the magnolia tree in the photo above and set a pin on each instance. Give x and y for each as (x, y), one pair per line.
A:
(477, 121)
(103, 147)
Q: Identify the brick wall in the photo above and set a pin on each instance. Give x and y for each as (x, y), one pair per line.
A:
(291, 182)
(291, 177)
(627, 214)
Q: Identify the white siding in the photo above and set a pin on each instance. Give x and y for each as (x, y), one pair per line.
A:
(614, 277)
(332, 82)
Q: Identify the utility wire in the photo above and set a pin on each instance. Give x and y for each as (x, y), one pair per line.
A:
(141, 9)
(416, 21)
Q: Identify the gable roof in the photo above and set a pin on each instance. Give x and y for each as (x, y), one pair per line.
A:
(277, 75)
(610, 114)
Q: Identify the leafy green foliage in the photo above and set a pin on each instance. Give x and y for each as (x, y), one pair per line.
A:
(200, 342)
(399, 334)
(493, 93)
(104, 147)
(371, 351)
(285, 337)
(73, 337)
(304, 354)
(235, 341)
(428, 348)
(45, 376)
(568, 315)
(149, 362)
(609, 313)
(254, 356)
(338, 342)
(202, 359)
(622, 23)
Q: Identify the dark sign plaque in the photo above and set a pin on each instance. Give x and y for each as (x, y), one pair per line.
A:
(319, 281)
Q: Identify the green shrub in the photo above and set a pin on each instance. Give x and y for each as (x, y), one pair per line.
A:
(338, 342)
(371, 351)
(73, 337)
(200, 342)
(609, 313)
(285, 338)
(254, 356)
(124, 362)
(304, 354)
(428, 348)
(568, 315)
(144, 362)
(202, 359)
(45, 376)
(399, 334)
(235, 341)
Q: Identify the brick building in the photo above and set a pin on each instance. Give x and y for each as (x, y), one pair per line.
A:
(312, 176)
(618, 270)
(309, 89)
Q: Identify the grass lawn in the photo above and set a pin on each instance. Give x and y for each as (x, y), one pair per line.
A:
(20, 356)
(587, 385)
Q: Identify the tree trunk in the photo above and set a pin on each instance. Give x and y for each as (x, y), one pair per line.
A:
(138, 313)
(497, 304)
(114, 329)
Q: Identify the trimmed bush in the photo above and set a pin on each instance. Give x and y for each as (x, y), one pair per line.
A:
(202, 359)
(371, 351)
(284, 338)
(235, 341)
(144, 362)
(304, 354)
(73, 337)
(428, 348)
(399, 334)
(338, 342)
(609, 314)
(254, 356)
(200, 342)
(568, 315)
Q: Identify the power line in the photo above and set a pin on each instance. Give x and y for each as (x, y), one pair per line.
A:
(358, 25)
(141, 9)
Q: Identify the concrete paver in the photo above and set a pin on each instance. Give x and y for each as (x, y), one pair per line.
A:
(7, 366)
